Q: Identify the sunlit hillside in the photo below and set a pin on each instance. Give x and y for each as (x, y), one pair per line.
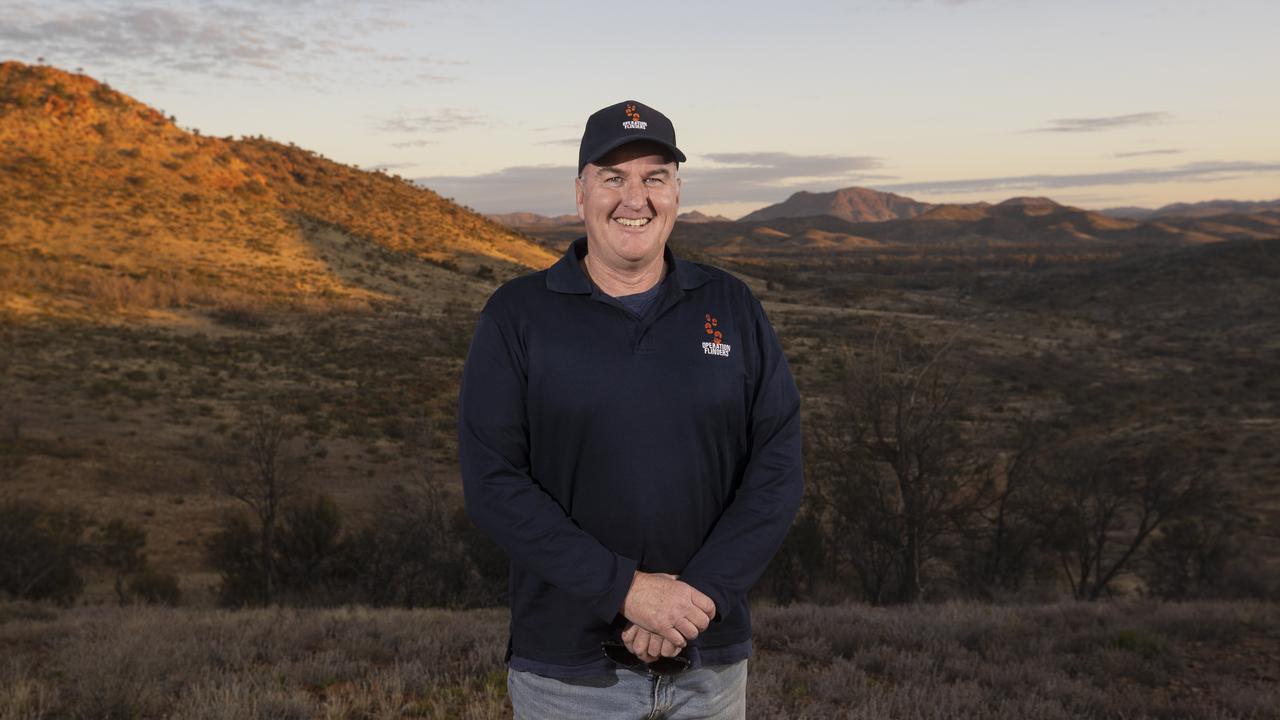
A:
(111, 206)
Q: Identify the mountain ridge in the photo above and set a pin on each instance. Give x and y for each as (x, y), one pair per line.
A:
(1203, 209)
(854, 204)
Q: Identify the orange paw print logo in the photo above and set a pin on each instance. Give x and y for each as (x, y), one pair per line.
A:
(631, 112)
(710, 327)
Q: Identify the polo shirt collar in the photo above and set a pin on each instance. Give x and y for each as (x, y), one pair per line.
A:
(567, 275)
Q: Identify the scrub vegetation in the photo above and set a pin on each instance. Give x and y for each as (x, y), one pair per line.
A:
(955, 660)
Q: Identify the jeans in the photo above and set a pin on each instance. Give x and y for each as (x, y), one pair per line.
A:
(712, 692)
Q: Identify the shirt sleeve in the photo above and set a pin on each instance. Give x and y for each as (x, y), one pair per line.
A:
(503, 499)
(755, 522)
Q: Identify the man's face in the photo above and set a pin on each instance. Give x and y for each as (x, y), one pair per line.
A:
(629, 200)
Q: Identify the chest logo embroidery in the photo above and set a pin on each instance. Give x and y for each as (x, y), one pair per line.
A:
(716, 344)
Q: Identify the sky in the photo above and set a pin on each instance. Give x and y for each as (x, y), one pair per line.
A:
(1094, 103)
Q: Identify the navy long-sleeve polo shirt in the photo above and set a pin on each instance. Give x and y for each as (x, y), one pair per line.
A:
(595, 442)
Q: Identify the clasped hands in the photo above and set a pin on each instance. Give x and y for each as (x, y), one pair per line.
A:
(664, 614)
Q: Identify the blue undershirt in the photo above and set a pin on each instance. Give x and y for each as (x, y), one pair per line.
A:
(641, 301)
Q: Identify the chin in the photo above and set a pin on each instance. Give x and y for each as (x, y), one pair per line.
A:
(638, 249)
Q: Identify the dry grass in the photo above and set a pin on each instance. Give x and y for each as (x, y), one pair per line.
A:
(1063, 660)
(347, 663)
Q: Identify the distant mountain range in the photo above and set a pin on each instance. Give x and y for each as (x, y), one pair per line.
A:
(853, 218)
(1209, 208)
(697, 216)
(1022, 221)
(809, 225)
(530, 219)
(852, 204)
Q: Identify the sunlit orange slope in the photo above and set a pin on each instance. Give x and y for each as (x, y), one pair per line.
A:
(102, 194)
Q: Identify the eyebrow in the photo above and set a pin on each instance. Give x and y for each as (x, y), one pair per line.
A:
(616, 171)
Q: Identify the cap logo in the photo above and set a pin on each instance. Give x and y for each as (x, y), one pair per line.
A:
(635, 123)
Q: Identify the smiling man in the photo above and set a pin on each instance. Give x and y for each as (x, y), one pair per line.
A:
(629, 433)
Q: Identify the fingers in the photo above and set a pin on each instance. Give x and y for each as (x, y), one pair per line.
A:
(672, 635)
(638, 643)
(703, 603)
(647, 646)
(688, 629)
(697, 618)
(654, 649)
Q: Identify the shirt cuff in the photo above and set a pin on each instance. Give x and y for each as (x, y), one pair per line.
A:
(721, 602)
(624, 570)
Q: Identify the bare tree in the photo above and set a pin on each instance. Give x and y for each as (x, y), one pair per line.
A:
(261, 473)
(1109, 501)
(898, 469)
(1007, 529)
(1190, 557)
(412, 556)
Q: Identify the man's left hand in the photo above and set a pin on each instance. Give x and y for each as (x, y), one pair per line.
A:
(647, 646)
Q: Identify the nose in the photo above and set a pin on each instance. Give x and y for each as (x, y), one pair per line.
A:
(635, 196)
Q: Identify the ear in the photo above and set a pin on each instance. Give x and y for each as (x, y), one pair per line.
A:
(580, 194)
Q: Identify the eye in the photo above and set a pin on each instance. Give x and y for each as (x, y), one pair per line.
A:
(653, 181)
(613, 181)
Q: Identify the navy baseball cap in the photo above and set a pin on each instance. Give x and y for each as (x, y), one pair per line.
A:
(617, 125)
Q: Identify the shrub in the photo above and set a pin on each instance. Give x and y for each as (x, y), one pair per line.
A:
(40, 551)
(233, 550)
(118, 545)
(155, 588)
(309, 547)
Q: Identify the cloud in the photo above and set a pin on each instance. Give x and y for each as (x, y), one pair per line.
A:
(546, 189)
(771, 176)
(566, 142)
(1098, 124)
(1139, 153)
(159, 41)
(1200, 171)
(789, 165)
(728, 177)
(414, 143)
(444, 120)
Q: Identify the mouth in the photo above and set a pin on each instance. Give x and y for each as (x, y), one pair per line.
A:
(632, 222)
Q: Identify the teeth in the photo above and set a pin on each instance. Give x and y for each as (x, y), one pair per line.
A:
(639, 222)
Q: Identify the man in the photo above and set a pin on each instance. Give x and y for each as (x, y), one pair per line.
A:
(629, 433)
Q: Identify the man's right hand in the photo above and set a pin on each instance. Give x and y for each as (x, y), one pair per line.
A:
(664, 605)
